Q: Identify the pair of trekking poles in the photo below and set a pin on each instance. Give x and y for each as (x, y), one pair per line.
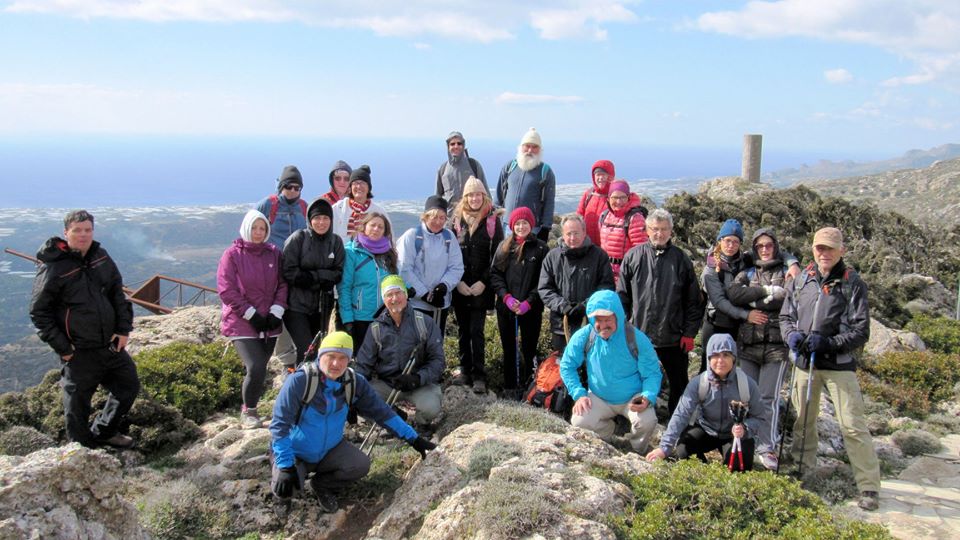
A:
(805, 414)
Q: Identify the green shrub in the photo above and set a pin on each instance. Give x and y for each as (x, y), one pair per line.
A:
(940, 334)
(196, 379)
(913, 442)
(911, 382)
(833, 484)
(689, 499)
(23, 440)
(511, 505)
(180, 509)
(487, 454)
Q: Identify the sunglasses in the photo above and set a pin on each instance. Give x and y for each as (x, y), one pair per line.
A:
(292, 187)
(765, 245)
(456, 143)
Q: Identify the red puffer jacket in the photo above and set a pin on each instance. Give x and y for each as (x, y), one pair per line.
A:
(619, 233)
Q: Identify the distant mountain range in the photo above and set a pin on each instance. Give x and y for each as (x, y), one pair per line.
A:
(825, 169)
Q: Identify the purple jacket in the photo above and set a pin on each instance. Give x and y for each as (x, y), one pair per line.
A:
(249, 274)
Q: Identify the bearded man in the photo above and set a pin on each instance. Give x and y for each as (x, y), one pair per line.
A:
(528, 181)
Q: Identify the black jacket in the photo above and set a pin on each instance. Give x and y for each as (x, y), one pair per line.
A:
(322, 257)
(828, 306)
(519, 278)
(569, 277)
(659, 290)
(397, 345)
(78, 301)
(477, 250)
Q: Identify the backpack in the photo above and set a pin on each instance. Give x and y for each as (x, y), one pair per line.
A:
(547, 389)
(626, 221)
(448, 237)
(275, 203)
(631, 341)
(312, 370)
(418, 321)
(703, 387)
(846, 290)
(491, 228)
(544, 169)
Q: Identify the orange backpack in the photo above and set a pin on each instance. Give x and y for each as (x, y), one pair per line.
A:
(547, 389)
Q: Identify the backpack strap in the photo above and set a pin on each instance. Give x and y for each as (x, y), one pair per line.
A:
(421, 326)
(364, 262)
(474, 166)
(631, 342)
(312, 371)
(448, 237)
(274, 203)
(303, 207)
(512, 166)
(375, 331)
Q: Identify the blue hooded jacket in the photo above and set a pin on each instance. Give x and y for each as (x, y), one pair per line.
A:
(613, 374)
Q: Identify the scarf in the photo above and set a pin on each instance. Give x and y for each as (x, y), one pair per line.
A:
(357, 211)
(377, 247)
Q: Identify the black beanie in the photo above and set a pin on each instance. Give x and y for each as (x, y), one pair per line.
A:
(362, 173)
(289, 175)
(319, 207)
(436, 201)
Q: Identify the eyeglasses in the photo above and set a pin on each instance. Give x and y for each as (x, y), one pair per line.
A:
(763, 246)
(619, 198)
(456, 143)
(292, 187)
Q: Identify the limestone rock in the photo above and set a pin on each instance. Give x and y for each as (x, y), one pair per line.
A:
(731, 188)
(883, 339)
(193, 324)
(65, 492)
(926, 295)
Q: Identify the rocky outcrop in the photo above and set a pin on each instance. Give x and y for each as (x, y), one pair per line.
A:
(66, 492)
(192, 324)
(445, 497)
(883, 339)
(731, 188)
(926, 295)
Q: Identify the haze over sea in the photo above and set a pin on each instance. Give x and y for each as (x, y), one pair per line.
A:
(123, 171)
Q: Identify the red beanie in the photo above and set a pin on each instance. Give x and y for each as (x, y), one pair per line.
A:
(604, 164)
(523, 213)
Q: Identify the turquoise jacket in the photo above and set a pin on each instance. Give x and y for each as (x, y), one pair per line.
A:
(613, 374)
(359, 288)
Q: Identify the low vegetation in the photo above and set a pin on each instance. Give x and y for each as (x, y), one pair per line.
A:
(912, 383)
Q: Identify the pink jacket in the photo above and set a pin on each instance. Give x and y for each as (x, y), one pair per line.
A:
(249, 275)
(617, 235)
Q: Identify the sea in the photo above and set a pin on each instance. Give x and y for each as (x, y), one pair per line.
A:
(71, 171)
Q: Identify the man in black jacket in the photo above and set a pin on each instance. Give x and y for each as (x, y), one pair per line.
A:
(80, 310)
(659, 291)
(571, 272)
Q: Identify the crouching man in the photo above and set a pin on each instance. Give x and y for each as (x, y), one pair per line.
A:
(711, 394)
(309, 440)
(623, 373)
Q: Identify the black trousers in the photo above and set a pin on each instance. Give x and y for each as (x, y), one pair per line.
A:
(675, 363)
(358, 331)
(529, 324)
(694, 441)
(303, 327)
(470, 322)
(80, 377)
(708, 330)
(254, 353)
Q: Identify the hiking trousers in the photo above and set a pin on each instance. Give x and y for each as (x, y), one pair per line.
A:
(529, 323)
(343, 465)
(426, 399)
(470, 323)
(80, 377)
(254, 353)
(600, 420)
(694, 441)
(675, 363)
(844, 391)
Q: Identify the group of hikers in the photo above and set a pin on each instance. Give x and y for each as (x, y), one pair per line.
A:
(624, 302)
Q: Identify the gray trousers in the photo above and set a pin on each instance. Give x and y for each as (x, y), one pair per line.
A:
(343, 465)
(426, 399)
(769, 378)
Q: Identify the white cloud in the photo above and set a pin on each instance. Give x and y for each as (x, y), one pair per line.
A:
(924, 31)
(512, 98)
(495, 20)
(837, 76)
(421, 46)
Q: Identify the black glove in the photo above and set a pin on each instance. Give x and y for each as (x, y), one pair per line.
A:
(407, 382)
(437, 301)
(303, 280)
(794, 340)
(259, 322)
(422, 445)
(348, 327)
(287, 480)
(411, 292)
(352, 416)
(273, 322)
(440, 290)
(818, 343)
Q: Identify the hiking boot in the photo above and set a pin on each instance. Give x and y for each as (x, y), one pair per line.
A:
(461, 379)
(869, 501)
(249, 419)
(326, 500)
(118, 441)
(769, 461)
(479, 387)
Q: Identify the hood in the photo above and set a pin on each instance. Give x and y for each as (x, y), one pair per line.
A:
(56, 248)
(246, 226)
(340, 165)
(446, 144)
(322, 206)
(719, 343)
(608, 300)
(606, 165)
(765, 231)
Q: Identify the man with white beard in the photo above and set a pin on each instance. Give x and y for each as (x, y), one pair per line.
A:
(528, 181)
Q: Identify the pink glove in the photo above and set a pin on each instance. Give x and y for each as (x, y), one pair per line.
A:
(511, 302)
(524, 307)
(686, 344)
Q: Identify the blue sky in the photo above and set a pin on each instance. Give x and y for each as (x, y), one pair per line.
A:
(864, 78)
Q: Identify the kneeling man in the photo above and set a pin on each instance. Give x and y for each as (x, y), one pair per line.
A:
(623, 373)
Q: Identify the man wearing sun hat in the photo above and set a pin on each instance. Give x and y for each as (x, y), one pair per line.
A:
(308, 439)
(396, 335)
(826, 321)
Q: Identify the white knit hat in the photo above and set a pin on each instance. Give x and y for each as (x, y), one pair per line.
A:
(531, 137)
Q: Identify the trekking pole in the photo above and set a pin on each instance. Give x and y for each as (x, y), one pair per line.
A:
(806, 414)
(312, 348)
(391, 399)
(516, 337)
(786, 412)
(738, 410)
(566, 328)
